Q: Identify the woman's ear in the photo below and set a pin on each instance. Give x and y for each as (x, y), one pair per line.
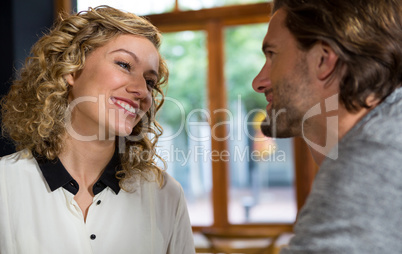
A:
(326, 60)
(70, 78)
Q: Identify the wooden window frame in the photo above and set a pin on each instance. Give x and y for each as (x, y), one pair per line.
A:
(213, 21)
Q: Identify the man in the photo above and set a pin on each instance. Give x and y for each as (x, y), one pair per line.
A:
(333, 75)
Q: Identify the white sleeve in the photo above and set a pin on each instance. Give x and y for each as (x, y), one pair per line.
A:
(182, 241)
(6, 246)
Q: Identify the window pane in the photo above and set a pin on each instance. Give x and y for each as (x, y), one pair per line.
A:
(261, 170)
(184, 117)
(138, 7)
(203, 4)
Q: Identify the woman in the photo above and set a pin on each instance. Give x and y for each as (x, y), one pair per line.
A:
(82, 115)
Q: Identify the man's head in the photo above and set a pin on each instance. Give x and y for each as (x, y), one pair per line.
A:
(358, 41)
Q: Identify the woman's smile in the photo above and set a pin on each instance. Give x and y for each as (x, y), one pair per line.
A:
(127, 105)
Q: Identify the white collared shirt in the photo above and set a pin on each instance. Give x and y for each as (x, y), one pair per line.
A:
(36, 220)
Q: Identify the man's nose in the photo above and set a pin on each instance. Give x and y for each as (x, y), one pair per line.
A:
(262, 81)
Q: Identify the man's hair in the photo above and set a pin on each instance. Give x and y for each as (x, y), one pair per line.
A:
(365, 34)
(34, 111)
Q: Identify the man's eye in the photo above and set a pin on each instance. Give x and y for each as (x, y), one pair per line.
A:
(269, 53)
(124, 65)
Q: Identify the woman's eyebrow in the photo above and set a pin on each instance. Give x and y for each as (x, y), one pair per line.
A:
(134, 56)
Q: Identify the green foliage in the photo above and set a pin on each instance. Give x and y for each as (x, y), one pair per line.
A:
(244, 60)
(185, 53)
(186, 56)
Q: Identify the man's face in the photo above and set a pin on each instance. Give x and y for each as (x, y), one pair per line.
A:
(285, 81)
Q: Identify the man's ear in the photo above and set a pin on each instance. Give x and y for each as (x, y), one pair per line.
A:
(70, 78)
(326, 60)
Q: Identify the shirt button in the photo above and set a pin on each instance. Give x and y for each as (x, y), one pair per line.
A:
(98, 203)
(93, 237)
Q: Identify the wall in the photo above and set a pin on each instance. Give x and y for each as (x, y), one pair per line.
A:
(22, 22)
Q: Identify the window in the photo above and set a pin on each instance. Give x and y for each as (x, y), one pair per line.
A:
(184, 117)
(261, 169)
(161, 6)
(203, 4)
(137, 7)
(236, 197)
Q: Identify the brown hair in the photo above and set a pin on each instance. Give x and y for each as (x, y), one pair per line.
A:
(34, 110)
(366, 35)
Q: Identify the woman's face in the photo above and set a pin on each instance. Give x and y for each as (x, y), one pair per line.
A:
(111, 94)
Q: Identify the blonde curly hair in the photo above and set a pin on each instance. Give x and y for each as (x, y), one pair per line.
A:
(34, 110)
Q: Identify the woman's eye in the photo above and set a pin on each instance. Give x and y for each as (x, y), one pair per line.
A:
(151, 83)
(124, 65)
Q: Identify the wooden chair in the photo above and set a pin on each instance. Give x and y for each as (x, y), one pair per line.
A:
(282, 241)
(239, 241)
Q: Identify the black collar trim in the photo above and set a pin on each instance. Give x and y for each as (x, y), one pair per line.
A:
(57, 176)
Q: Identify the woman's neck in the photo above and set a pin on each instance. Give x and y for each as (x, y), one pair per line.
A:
(86, 160)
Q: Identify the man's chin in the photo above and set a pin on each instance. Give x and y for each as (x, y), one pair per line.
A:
(275, 132)
(268, 131)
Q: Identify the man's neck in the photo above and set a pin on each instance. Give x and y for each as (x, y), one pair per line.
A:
(327, 136)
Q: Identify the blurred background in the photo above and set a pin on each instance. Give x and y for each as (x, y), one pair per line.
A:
(233, 176)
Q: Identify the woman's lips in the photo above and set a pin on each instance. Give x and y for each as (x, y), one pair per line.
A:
(129, 106)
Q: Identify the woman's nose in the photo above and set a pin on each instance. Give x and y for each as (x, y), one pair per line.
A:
(138, 87)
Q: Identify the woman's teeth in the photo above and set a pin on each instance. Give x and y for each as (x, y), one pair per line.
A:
(126, 106)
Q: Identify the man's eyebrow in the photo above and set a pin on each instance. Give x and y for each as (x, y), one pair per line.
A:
(266, 45)
(134, 56)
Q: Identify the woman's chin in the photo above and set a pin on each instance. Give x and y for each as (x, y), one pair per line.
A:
(123, 129)
(124, 132)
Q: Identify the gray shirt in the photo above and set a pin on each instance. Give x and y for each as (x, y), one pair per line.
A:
(355, 205)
